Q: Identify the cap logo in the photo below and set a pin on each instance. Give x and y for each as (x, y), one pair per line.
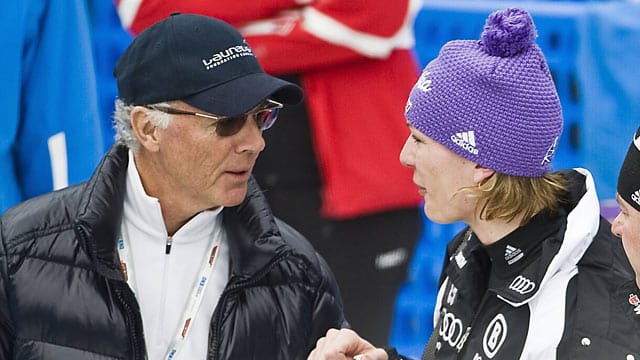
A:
(466, 140)
(423, 83)
(229, 54)
(636, 196)
(407, 107)
(550, 151)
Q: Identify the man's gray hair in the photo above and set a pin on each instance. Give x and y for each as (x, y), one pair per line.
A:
(122, 123)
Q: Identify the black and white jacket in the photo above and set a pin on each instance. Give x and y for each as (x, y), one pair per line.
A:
(551, 289)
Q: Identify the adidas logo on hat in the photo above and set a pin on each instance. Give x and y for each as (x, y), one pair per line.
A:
(466, 140)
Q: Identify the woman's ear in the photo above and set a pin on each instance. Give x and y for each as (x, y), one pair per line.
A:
(481, 173)
(144, 129)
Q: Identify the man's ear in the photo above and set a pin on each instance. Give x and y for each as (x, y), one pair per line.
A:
(481, 173)
(145, 131)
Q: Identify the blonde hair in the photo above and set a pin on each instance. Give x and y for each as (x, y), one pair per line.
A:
(504, 197)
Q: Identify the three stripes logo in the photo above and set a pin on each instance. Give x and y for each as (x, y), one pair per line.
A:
(636, 196)
(512, 254)
(466, 140)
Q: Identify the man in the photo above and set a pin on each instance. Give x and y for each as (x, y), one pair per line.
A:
(354, 59)
(535, 273)
(169, 251)
(627, 224)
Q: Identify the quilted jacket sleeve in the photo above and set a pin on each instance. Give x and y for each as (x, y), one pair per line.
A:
(6, 328)
(329, 311)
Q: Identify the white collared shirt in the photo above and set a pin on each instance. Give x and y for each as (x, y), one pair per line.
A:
(163, 282)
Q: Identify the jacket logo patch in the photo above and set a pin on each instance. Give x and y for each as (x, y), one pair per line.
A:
(451, 297)
(512, 254)
(522, 285)
(635, 301)
(451, 329)
(461, 261)
(494, 336)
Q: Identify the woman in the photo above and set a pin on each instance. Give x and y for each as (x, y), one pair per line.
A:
(532, 276)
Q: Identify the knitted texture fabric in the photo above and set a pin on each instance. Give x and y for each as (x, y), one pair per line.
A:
(629, 177)
(492, 100)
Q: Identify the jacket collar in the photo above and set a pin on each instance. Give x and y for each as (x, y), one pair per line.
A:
(100, 211)
(547, 244)
(253, 236)
(519, 260)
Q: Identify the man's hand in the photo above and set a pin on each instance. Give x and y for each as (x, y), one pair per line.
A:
(345, 344)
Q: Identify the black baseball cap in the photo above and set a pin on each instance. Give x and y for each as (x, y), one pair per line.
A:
(200, 60)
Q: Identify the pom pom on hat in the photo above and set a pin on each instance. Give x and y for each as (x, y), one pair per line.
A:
(508, 32)
(492, 100)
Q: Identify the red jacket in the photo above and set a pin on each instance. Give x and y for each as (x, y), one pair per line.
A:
(356, 65)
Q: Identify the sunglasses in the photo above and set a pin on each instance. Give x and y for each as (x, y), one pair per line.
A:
(265, 116)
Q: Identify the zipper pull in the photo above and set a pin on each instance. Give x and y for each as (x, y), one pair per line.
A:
(167, 248)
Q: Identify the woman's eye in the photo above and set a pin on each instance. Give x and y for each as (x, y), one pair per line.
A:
(415, 139)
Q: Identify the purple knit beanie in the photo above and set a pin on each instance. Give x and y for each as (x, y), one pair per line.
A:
(492, 100)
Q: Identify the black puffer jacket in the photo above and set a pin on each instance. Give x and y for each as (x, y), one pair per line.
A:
(62, 294)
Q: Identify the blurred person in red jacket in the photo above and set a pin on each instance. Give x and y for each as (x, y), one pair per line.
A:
(358, 207)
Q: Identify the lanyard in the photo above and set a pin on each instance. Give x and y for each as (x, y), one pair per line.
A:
(197, 293)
